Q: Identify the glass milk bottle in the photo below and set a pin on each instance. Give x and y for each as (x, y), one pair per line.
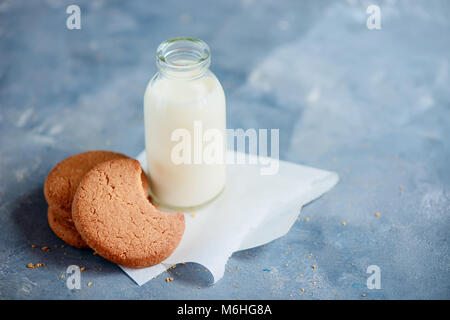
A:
(185, 126)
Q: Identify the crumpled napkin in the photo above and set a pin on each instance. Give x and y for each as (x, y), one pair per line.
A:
(254, 209)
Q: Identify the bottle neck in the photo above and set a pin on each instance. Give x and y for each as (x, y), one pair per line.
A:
(183, 58)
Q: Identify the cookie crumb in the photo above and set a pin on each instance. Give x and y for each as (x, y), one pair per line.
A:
(400, 188)
(310, 256)
(302, 290)
(193, 215)
(33, 246)
(89, 284)
(377, 214)
(314, 267)
(45, 248)
(169, 279)
(306, 219)
(344, 223)
(363, 295)
(83, 268)
(37, 265)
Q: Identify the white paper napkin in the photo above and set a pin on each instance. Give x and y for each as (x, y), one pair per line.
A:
(253, 209)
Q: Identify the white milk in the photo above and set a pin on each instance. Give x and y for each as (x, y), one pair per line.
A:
(177, 99)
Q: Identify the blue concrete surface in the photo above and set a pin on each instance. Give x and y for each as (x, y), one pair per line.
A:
(374, 106)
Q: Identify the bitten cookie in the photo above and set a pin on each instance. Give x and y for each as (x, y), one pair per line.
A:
(114, 217)
(64, 230)
(61, 184)
(63, 180)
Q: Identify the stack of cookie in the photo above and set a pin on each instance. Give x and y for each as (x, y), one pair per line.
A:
(98, 199)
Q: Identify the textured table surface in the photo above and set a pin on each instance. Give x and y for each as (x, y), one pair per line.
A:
(372, 105)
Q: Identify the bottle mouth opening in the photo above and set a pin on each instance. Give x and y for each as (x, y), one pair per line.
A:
(183, 54)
